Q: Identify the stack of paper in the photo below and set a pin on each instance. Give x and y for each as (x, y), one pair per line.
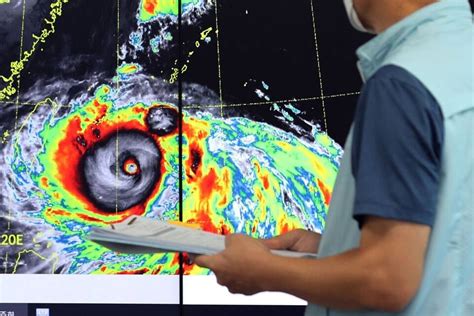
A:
(144, 235)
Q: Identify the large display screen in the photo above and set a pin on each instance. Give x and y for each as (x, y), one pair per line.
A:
(226, 115)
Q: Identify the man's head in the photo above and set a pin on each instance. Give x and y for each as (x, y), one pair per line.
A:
(377, 15)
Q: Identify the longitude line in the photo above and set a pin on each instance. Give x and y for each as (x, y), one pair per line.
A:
(6, 263)
(117, 87)
(219, 72)
(17, 103)
(319, 66)
(180, 150)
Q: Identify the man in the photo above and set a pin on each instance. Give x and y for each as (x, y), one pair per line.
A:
(399, 235)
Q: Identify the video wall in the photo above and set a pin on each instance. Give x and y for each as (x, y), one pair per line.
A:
(226, 115)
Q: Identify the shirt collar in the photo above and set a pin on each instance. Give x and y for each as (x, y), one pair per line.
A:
(373, 54)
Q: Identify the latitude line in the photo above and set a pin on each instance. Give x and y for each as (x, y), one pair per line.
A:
(218, 105)
(196, 106)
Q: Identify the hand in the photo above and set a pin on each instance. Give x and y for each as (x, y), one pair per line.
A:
(296, 240)
(240, 266)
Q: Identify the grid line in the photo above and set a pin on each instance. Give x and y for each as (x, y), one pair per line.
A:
(219, 73)
(218, 105)
(22, 34)
(319, 65)
(117, 128)
(204, 106)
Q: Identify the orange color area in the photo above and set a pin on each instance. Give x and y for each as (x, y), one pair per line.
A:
(208, 185)
(212, 188)
(325, 191)
(284, 228)
(130, 166)
(286, 225)
(204, 220)
(140, 271)
(88, 218)
(150, 6)
(265, 182)
(44, 182)
(75, 144)
(262, 175)
(105, 270)
(195, 131)
(186, 225)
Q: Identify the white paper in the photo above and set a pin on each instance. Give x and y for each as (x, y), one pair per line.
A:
(144, 235)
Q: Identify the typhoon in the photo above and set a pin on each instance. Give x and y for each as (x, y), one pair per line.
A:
(112, 151)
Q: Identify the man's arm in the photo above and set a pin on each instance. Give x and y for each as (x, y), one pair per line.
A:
(384, 273)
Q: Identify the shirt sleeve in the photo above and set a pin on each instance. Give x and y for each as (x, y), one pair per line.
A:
(396, 151)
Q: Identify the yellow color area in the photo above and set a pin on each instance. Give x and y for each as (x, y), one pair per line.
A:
(128, 69)
(324, 139)
(16, 67)
(151, 9)
(209, 192)
(4, 1)
(212, 188)
(307, 160)
(47, 102)
(266, 191)
(54, 256)
(185, 225)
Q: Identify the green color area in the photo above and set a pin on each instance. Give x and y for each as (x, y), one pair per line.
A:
(128, 69)
(150, 10)
(70, 215)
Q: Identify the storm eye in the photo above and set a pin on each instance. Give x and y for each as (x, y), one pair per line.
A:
(121, 171)
(131, 167)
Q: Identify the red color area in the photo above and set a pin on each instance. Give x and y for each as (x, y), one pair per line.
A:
(132, 272)
(130, 166)
(44, 182)
(150, 6)
(264, 178)
(103, 269)
(88, 218)
(57, 212)
(226, 180)
(70, 152)
(208, 184)
(284, 228)
(194, 161)
(325, 191)
(265, 182)
(195, 137)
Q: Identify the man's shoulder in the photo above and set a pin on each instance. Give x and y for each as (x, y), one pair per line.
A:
(393, 74)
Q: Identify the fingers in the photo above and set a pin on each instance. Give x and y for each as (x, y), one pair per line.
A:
(283, 242)
(205, 261)
(229, 239)
(273, 243)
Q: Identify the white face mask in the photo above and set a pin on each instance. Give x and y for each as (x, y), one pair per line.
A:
(354, 18)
